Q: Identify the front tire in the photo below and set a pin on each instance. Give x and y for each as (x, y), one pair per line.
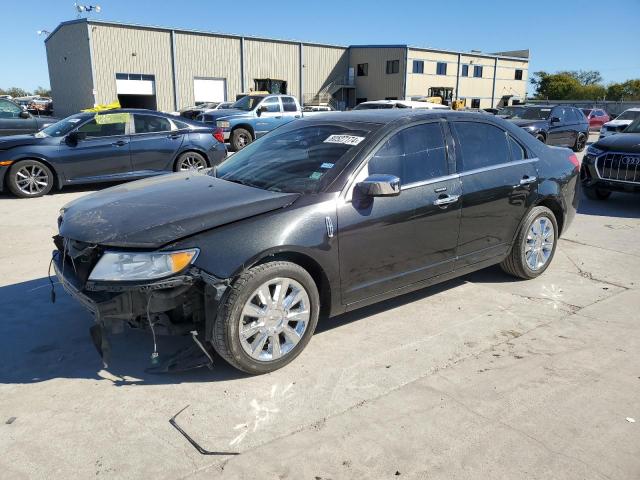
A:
(268, 317)
(535, 245)
(29, 179)
(596, 193)
(240, 138)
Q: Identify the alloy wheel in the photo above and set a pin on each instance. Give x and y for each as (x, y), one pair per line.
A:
(192, 162)
(539, 243)
(274, 319)
(32, 179)
(581, 142)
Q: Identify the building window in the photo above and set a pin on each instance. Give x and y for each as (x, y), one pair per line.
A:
(465, 70)
(477, 71)
(518, 74)
(475, 103)
(363, 69)
(441, 68)
(360, 100)
(393, 66)
(418, 66)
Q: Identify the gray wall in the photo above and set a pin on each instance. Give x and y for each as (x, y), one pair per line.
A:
(69, 61)
(378, 84)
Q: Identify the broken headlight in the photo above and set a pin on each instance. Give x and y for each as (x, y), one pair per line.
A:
(132, 266)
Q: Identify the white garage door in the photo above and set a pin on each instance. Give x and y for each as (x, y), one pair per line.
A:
(209, 90)
(135, 84)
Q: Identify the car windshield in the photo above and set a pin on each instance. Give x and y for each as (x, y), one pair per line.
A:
(61, 128)
(532, 113)
(300, 160)
(629, 115)
(509, 111)
(634, 127)
(248, 103)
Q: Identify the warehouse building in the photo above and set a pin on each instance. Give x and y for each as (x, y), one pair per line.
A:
(96, 62)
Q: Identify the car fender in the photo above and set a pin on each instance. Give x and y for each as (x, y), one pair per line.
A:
(34, 155)
(303, 229)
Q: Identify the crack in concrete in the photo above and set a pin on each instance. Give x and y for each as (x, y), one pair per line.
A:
(589, 276)
(598, 247)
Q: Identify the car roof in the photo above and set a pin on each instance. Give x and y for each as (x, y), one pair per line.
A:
(385, 116)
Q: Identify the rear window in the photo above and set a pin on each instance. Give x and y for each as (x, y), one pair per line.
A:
(482, 145)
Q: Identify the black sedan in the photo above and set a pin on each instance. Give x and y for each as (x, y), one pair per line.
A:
(321, 216)
(104, 147)
(613, 164)
(557, 125)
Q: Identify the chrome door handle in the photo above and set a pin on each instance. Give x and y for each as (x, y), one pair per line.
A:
(446, 200)
(119, 143)
(528, 180)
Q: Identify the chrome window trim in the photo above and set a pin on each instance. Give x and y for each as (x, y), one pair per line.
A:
(499, 166)
(423, 183)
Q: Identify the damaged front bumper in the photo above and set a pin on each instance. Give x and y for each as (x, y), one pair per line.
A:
(179, 305)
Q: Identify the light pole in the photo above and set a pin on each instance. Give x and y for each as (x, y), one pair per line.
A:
(87, 9)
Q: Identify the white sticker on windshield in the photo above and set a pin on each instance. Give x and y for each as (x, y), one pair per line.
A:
(73, 120)
(326, 165)
(346, 139)
(545, 109)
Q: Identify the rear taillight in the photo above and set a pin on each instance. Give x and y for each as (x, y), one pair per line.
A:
(574, 159)
(218, 134)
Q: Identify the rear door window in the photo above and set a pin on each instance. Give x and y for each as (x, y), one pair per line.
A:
(414, 154)
(481, 145)
(150, 124)
(289, 104)
(517, 151)
(272, 104)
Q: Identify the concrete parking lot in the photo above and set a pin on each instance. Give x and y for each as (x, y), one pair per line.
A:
(481, 377)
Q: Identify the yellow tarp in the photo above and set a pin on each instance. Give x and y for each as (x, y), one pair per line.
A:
(104, 106)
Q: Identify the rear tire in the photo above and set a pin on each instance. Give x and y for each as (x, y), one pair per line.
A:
(534, 246)
(240, 138)
(29, 179)
(540, 137)
(581, 142)
(276, 317)
(190, 161)
(596, 193)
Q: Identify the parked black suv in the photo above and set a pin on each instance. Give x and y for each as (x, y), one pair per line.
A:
(320, 216)
(16, 121)
(613, 164)
(557, 125)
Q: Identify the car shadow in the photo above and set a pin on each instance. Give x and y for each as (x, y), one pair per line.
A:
(40, 340)
(622, 205)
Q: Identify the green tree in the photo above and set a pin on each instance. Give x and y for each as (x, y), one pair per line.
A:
(555, 86)
(629, 90)
(43, 92)
(15, 92)
(587, 77)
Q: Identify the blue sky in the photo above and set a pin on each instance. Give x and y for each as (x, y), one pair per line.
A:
(561, 34)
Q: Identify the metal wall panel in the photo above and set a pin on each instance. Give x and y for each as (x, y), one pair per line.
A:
(69, 61)
(206, 56)
(378, 85)
(276, 60)
(323, 65)
(121, 49)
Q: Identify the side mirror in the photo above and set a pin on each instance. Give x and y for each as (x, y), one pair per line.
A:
(24, 114)
(74, 137)
(379, 185)
(555, 120)
(261, 110)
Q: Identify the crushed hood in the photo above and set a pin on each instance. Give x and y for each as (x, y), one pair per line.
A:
(153, 212)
